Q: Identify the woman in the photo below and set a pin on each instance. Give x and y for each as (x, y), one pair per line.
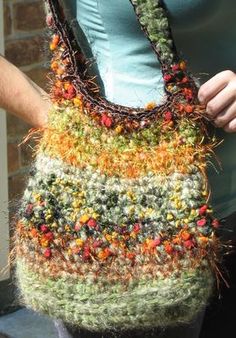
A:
(132, 82)
(131, 76)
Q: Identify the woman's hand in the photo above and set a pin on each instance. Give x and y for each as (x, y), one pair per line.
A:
(219, 96)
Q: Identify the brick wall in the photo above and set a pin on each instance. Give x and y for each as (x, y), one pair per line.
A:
(24, 29)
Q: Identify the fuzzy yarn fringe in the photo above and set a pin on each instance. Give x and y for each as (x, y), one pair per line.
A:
(115, 230)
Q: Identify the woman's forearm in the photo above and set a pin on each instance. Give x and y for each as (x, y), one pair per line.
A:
(21, 96)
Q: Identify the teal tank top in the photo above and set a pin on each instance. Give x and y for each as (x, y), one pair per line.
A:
(204, 32)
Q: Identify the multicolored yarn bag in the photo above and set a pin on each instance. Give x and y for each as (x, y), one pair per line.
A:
(115, 230)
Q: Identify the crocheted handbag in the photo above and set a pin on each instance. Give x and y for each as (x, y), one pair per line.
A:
(115, 230)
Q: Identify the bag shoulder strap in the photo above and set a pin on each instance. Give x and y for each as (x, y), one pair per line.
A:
(71, 65)
(153, 18)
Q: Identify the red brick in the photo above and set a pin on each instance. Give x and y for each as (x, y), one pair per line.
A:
(13, 157)
(39, 76)
(26, 51)
(7, 19)
(29, 16)
(26, 153)
(16, 186)
(16, 128)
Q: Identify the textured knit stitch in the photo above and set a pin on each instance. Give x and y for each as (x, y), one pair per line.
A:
(115, 230)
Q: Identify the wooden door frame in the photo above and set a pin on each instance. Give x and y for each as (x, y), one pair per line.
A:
(4, 218)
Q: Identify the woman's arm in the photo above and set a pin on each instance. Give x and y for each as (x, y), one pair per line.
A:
(219, 95)
(21, 96)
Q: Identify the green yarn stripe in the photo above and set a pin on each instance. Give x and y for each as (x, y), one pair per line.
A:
(151, 194)
(97, 307)
(155, 22)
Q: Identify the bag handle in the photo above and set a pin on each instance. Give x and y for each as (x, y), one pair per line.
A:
(153, 18)
(72, 66)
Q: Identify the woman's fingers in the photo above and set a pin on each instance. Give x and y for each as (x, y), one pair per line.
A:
(219, 96)
(226, 116)
(231, 126)
(213, 86)
(219, 103)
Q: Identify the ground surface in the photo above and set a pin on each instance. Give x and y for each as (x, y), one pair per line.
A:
(27, 324)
